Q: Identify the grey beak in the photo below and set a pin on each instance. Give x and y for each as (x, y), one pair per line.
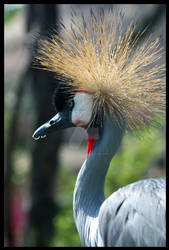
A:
(60, 121)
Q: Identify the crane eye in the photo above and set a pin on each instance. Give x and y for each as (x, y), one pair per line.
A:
(71, 104)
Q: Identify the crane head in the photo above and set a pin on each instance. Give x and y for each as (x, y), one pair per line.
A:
(71, 111)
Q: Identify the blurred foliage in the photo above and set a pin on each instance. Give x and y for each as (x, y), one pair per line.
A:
(66, 233)
(21, 171)
(136, 156)
(10, 10)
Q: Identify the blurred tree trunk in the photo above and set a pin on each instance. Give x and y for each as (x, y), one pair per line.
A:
(12, 143)
(44, 155)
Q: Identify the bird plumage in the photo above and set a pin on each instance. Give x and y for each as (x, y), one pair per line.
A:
(124, 85)
(138, 214)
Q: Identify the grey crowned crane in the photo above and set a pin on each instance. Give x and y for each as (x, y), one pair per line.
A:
(109, 85)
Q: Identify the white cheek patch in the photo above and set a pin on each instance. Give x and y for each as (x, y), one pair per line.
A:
(82, 110)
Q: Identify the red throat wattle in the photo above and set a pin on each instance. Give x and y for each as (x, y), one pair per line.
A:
(91, 143)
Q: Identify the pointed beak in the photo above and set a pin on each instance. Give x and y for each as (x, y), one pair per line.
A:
(59, 121)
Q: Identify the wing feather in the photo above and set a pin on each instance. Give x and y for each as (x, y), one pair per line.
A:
(135, 215)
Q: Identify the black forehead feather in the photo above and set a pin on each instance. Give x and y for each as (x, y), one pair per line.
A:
(62, 94)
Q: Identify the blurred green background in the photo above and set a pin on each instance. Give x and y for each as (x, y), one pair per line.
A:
(138, 158)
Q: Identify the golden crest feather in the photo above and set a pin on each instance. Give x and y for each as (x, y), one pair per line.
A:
(98, 54)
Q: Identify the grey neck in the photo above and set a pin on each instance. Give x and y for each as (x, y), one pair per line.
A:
(89, 188)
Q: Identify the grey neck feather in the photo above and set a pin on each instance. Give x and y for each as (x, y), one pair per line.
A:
(89, 188)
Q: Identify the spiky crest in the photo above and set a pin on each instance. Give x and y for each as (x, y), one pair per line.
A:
(98, 54)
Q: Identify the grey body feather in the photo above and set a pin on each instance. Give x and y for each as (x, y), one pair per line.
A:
(134, 215)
